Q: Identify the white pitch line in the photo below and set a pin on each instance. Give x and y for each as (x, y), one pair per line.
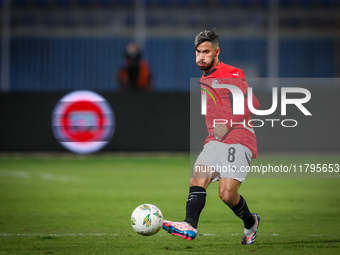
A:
(56, 235)
(44, 176)
(13, 173)
(58, 177)
(238, 234)
(322, 235)
(103, 234)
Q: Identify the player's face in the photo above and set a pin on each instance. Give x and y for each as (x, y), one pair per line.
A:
(206, 56)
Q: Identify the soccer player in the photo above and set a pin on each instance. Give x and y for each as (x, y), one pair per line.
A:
(230, 145)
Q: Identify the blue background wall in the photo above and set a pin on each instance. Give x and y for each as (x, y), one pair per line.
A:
(64, 64)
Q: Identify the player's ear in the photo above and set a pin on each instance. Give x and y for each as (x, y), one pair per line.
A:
(218, 50)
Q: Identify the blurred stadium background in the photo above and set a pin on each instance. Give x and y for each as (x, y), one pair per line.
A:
(62, 203)
(51, 47)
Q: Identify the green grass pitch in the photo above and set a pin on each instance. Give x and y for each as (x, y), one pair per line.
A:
(68, 204)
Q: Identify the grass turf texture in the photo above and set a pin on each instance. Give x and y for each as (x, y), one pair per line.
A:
(82, 205)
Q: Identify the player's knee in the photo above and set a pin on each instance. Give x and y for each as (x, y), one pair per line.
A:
(228, 197)
(201, 182)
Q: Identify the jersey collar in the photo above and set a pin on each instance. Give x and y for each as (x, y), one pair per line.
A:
(212, 70)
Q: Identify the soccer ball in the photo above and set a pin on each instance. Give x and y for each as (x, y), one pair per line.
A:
(147, 219)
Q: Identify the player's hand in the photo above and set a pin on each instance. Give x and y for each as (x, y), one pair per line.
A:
(220, 131)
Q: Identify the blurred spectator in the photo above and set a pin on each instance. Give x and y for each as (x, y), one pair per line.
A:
(134, 74)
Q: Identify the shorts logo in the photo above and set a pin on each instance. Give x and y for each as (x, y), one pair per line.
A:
(83, 122)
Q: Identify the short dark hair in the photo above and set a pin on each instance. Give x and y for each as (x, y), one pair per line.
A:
(207, 35)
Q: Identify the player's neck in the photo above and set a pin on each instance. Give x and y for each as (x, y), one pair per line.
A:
(216, 62)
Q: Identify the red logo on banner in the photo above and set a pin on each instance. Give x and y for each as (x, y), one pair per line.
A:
(83, 122)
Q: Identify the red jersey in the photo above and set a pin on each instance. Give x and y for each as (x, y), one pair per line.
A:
(220, 107)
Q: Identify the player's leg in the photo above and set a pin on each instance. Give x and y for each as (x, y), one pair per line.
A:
(199, 183)
(228, 192)
(237, 157)
(202, 175)
(194, 206)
